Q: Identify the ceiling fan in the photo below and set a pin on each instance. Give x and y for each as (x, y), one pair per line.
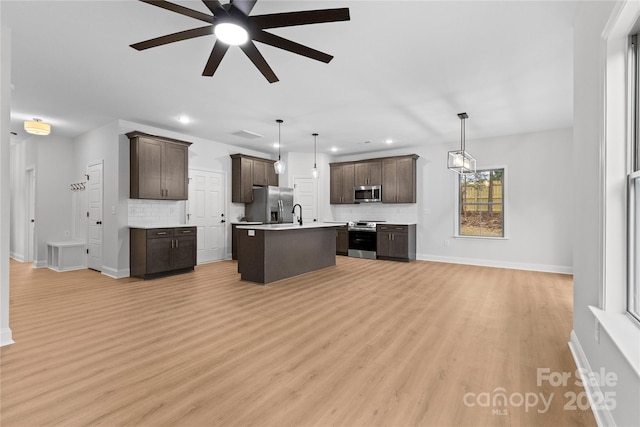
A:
(232, 25)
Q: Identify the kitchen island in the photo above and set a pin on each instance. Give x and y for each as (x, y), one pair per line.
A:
(271, 252)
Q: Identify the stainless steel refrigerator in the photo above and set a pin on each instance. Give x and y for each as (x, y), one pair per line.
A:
(271, 205)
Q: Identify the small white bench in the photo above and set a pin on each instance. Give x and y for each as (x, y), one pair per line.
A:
(67, 255)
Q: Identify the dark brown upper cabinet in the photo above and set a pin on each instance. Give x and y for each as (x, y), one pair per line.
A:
(342, 181)
(247, 171)
(399, 179)
(159, 167)
(396, 175)
(368, 173)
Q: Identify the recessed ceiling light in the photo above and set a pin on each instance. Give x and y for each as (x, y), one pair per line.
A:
(334, 149)
(389, 141)
(184, 120)
(276, 145)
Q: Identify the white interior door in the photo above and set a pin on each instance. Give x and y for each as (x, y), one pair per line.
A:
(31, 215)
(206, 211)
(94, 217)
(305, 192)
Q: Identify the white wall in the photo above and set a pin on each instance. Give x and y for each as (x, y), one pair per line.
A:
(52, 159)
(603, 353)
(102, 145)
(17, 243)
(5, 104)
(538, 210)
(54, 174)
(299, 165)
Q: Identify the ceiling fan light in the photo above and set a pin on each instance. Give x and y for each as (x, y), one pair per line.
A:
(231, 34)
(37, 127)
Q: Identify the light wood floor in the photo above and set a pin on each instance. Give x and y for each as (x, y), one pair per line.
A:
(365, 343)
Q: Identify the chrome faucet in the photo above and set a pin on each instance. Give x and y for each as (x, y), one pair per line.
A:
(294, 212)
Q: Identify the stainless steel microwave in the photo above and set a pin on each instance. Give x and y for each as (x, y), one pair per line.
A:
(367, 193)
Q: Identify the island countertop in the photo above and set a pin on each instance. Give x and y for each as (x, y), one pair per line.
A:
(287, 226)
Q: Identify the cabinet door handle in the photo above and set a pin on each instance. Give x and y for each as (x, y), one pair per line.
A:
(177, 243)
(161, 233)
(171, 243)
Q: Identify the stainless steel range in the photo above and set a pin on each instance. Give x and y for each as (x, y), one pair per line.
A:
(362, 239)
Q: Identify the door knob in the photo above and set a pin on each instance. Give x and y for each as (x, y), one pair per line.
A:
(223, 220)
(99, 222)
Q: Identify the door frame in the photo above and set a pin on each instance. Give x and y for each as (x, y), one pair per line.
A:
(30, 213)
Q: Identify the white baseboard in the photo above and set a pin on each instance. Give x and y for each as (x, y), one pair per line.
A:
(18, 257)
(498, 264)
(6, 337)
(116, 274)
(602, 414)
(61, 270)
(40, 264)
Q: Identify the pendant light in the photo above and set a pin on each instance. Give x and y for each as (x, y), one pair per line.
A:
(279, 166)
(314, 171)
(37, 127)
(460, 161)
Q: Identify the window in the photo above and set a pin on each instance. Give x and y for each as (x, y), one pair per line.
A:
(481, 203)
(633, 239)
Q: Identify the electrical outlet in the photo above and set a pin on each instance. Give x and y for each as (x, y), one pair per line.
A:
(446, 243)
(597, 332)
(66, 233)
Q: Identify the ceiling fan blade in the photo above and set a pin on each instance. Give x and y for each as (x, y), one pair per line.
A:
(282, 43)
(213, 5)
(258, 60)
(180, 9)
(244, 6)
(217, 53)
(290, 19)
(175, 37)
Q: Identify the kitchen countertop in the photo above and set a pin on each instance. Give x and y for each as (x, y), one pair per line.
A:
(287, 226)
(150, 226)
(246, 222)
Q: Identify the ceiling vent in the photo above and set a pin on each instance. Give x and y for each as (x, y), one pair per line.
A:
(247, 134)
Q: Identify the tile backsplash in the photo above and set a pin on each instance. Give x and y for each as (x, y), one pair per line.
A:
(156, 212)
(401, 213)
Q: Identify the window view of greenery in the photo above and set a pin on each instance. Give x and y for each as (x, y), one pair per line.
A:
(482, 204)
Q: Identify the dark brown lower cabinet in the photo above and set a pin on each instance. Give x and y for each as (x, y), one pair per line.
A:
(160, 251)
(396, 242)
(342, 240)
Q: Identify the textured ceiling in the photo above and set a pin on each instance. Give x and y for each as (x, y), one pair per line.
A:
(402, 71)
